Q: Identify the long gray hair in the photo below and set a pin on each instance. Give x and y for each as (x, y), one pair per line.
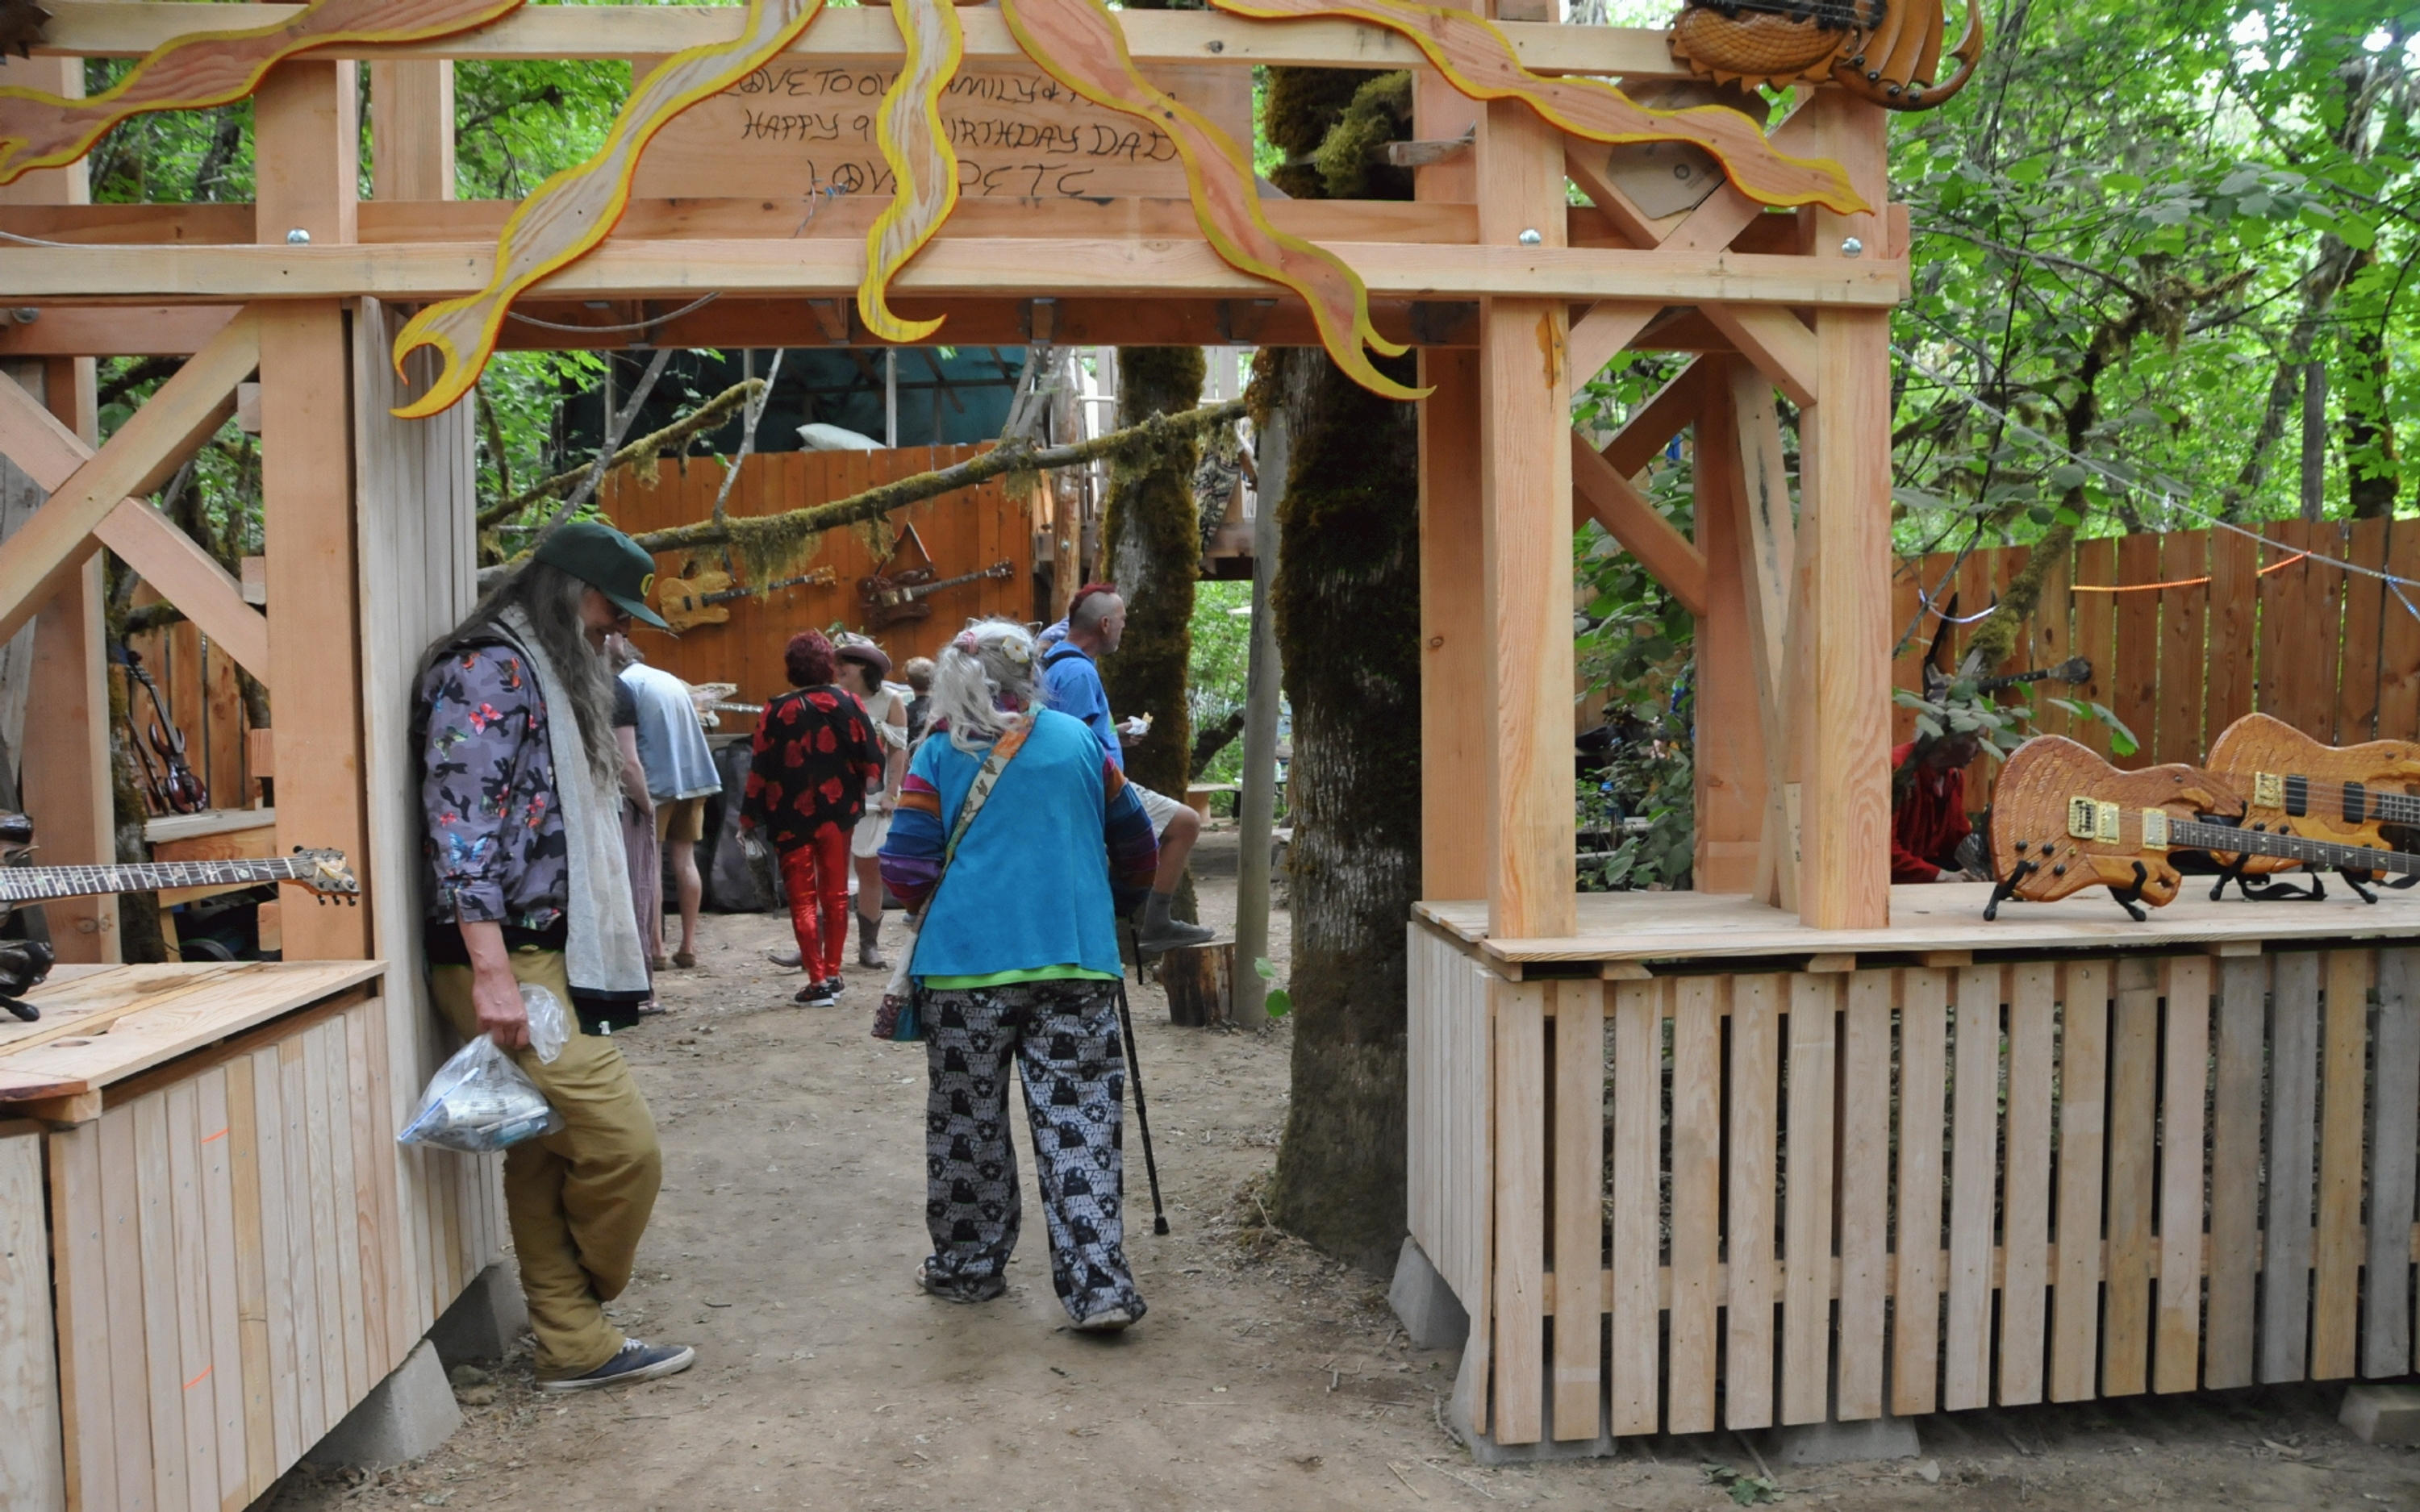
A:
(983, 680)
(550, 598)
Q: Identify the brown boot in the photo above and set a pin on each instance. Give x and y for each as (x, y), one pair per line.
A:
(869, 943)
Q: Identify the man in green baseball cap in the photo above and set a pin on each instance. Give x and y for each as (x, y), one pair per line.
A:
(528, 888)
(607, 560)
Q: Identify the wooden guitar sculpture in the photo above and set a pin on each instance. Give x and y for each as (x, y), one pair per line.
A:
(2064, 820)
(2293, 783)
(697, 599)
(901, 595)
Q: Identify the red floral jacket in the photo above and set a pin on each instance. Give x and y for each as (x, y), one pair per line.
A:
(814, 755)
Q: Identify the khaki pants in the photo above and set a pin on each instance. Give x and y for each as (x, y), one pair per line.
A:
(578, 1199)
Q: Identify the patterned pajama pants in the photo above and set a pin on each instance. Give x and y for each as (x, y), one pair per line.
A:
(1064, 1038)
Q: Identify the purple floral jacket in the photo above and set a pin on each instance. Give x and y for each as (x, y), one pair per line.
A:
(494, 840)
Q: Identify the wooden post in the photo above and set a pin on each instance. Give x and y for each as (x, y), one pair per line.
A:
(1729, 759)
(307, 136)
(65, 771)
(1455, 657)
(1256, 804)
(1839, 625)
(412, 128)
(1525, 474)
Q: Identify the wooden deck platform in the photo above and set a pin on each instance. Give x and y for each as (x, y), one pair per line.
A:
(1935, 920)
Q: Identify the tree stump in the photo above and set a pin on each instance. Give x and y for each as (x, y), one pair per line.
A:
(1201, 983)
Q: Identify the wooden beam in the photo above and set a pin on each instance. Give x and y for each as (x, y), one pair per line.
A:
(40, 557)
(1728, 763)
(1764, 553)
(1525, 414)
(1585, 162)
(1601, 334)
(1674, 405)
(1776, 341)
(412, 129)
(1456, 655)
(1629, 518)
(190, 578)
(1135, 268)
(105, 28)
(116, 331)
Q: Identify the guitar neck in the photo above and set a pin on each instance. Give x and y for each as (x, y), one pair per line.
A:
(2227, 839)
(34, 883)
(2357, 803)
(731, 596)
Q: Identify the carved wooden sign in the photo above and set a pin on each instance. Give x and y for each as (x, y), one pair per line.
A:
(799, 126)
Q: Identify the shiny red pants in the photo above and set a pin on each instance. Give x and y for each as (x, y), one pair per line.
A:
(816, 876)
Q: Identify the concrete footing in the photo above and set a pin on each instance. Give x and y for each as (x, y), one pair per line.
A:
(1838, 1443)
(485, 1321)
(406, 1415)
(1427, 1307)
(2383, 1414)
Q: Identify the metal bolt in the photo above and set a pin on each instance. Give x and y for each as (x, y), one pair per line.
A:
(1851, 247)
(25, 314)
(298, 237)
(1216, 46)
(1529, 237)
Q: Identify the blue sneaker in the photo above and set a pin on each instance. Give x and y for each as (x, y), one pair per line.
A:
(634, 1362)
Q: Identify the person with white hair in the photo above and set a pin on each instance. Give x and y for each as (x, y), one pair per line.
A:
(1016, 845)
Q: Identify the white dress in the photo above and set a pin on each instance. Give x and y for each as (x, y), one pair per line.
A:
(876, 827)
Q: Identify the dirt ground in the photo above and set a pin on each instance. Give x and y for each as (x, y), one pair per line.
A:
(1263, 1377)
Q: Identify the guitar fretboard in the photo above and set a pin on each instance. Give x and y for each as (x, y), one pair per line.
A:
(2232, 840)
(33, 884)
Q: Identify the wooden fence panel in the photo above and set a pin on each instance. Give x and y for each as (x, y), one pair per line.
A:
(2133, 682)
(2399, 638)
(2185, 613)
(2365, 602)
(2095, 614)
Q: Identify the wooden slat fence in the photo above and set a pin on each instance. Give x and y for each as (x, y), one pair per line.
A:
(2335, 654)
(1914, 1190)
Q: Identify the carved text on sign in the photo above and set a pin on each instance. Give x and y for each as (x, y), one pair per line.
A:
(805, 128)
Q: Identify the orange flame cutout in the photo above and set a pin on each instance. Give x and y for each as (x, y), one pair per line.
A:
(204, 69)
(577, 209)
(1079, 44)
(923, 167)
(1478, 59)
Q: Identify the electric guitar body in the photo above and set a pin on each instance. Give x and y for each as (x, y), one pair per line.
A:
(2045, 848)
(2293, 783)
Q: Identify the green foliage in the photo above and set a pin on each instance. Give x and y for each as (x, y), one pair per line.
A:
(1276, 1000)
(1747, 1491)
(1220, 663)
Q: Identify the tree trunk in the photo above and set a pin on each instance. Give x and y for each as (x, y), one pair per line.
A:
(1150, 548)
(1347, 598)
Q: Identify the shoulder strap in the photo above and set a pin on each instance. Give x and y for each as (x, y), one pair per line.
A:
(1061, 652)
(1004, 750)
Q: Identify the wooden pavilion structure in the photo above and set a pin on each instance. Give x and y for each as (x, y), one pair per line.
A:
(1511, 295)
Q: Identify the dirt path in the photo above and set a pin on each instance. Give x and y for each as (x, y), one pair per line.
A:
(1263, 1377)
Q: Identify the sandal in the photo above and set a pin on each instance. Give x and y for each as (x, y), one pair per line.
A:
(686, 960)
(969, 1291)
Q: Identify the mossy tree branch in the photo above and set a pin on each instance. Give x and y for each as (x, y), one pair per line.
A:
(645, 449)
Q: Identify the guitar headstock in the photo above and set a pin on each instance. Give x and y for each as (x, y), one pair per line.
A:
(326, 872)
(2074, 670)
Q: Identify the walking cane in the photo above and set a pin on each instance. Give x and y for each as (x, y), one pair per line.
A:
(1142, 1117)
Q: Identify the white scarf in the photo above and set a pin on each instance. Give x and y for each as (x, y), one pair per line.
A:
(603, 956)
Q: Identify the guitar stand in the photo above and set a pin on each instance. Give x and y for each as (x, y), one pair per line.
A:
(2130, 897)
(24, 1010)
(2360, 882)
(2267, 892)
(2003, 891)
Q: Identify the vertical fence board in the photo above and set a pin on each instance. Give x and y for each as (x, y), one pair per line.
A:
(2096, 615)
(2399, 638)
(2051, 640)
(2365, 604)
(80, 1291)
(1520, 1208)
(1755, 1092)
(2335, 1279)
(2132, 1125)
(161, 1350)
(2319, 642)
(1923, 1101)
(2136, 671)
(2075, 1304)
(1579, 1205)
(2033, 992)
(191, 1295)
(2235, 1172)
(1974, 1127)
(2395, 1133)
(1806, 1266)
(2176, 1357)
(1637, 1096)
(130, 1384)
(1696, 1204)
(1907, 668)
(275, 1316)
(2183, 616)
(1864, 1194)
(2293, 1086)
(2234, 610)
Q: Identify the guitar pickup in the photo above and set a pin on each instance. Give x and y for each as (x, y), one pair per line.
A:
(2092, 819)
(2267, 790)
(2155, 829)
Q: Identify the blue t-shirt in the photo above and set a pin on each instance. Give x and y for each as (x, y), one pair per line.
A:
(1075, 688)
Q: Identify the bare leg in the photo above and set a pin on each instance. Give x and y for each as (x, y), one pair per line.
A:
(869, 913)
(1158, 930)
(693, 891)
(1175, 848)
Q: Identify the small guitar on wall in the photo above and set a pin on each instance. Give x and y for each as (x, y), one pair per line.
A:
(2064, 820)
(901, 595)
(2319, 792)
(697, 599)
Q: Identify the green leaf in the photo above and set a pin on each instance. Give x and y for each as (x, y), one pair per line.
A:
(1279, 1002)
(2031, 171)
(2357, 233)
(1263, 969)
(2121, 183)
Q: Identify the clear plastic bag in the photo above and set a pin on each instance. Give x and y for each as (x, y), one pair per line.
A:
(550, 1026)
(478, 1102)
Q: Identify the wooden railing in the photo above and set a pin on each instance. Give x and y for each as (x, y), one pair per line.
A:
(1795, 1195)
(2252, 626)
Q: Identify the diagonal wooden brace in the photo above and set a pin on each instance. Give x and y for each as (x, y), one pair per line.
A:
(1615, 502)
(88, 488)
